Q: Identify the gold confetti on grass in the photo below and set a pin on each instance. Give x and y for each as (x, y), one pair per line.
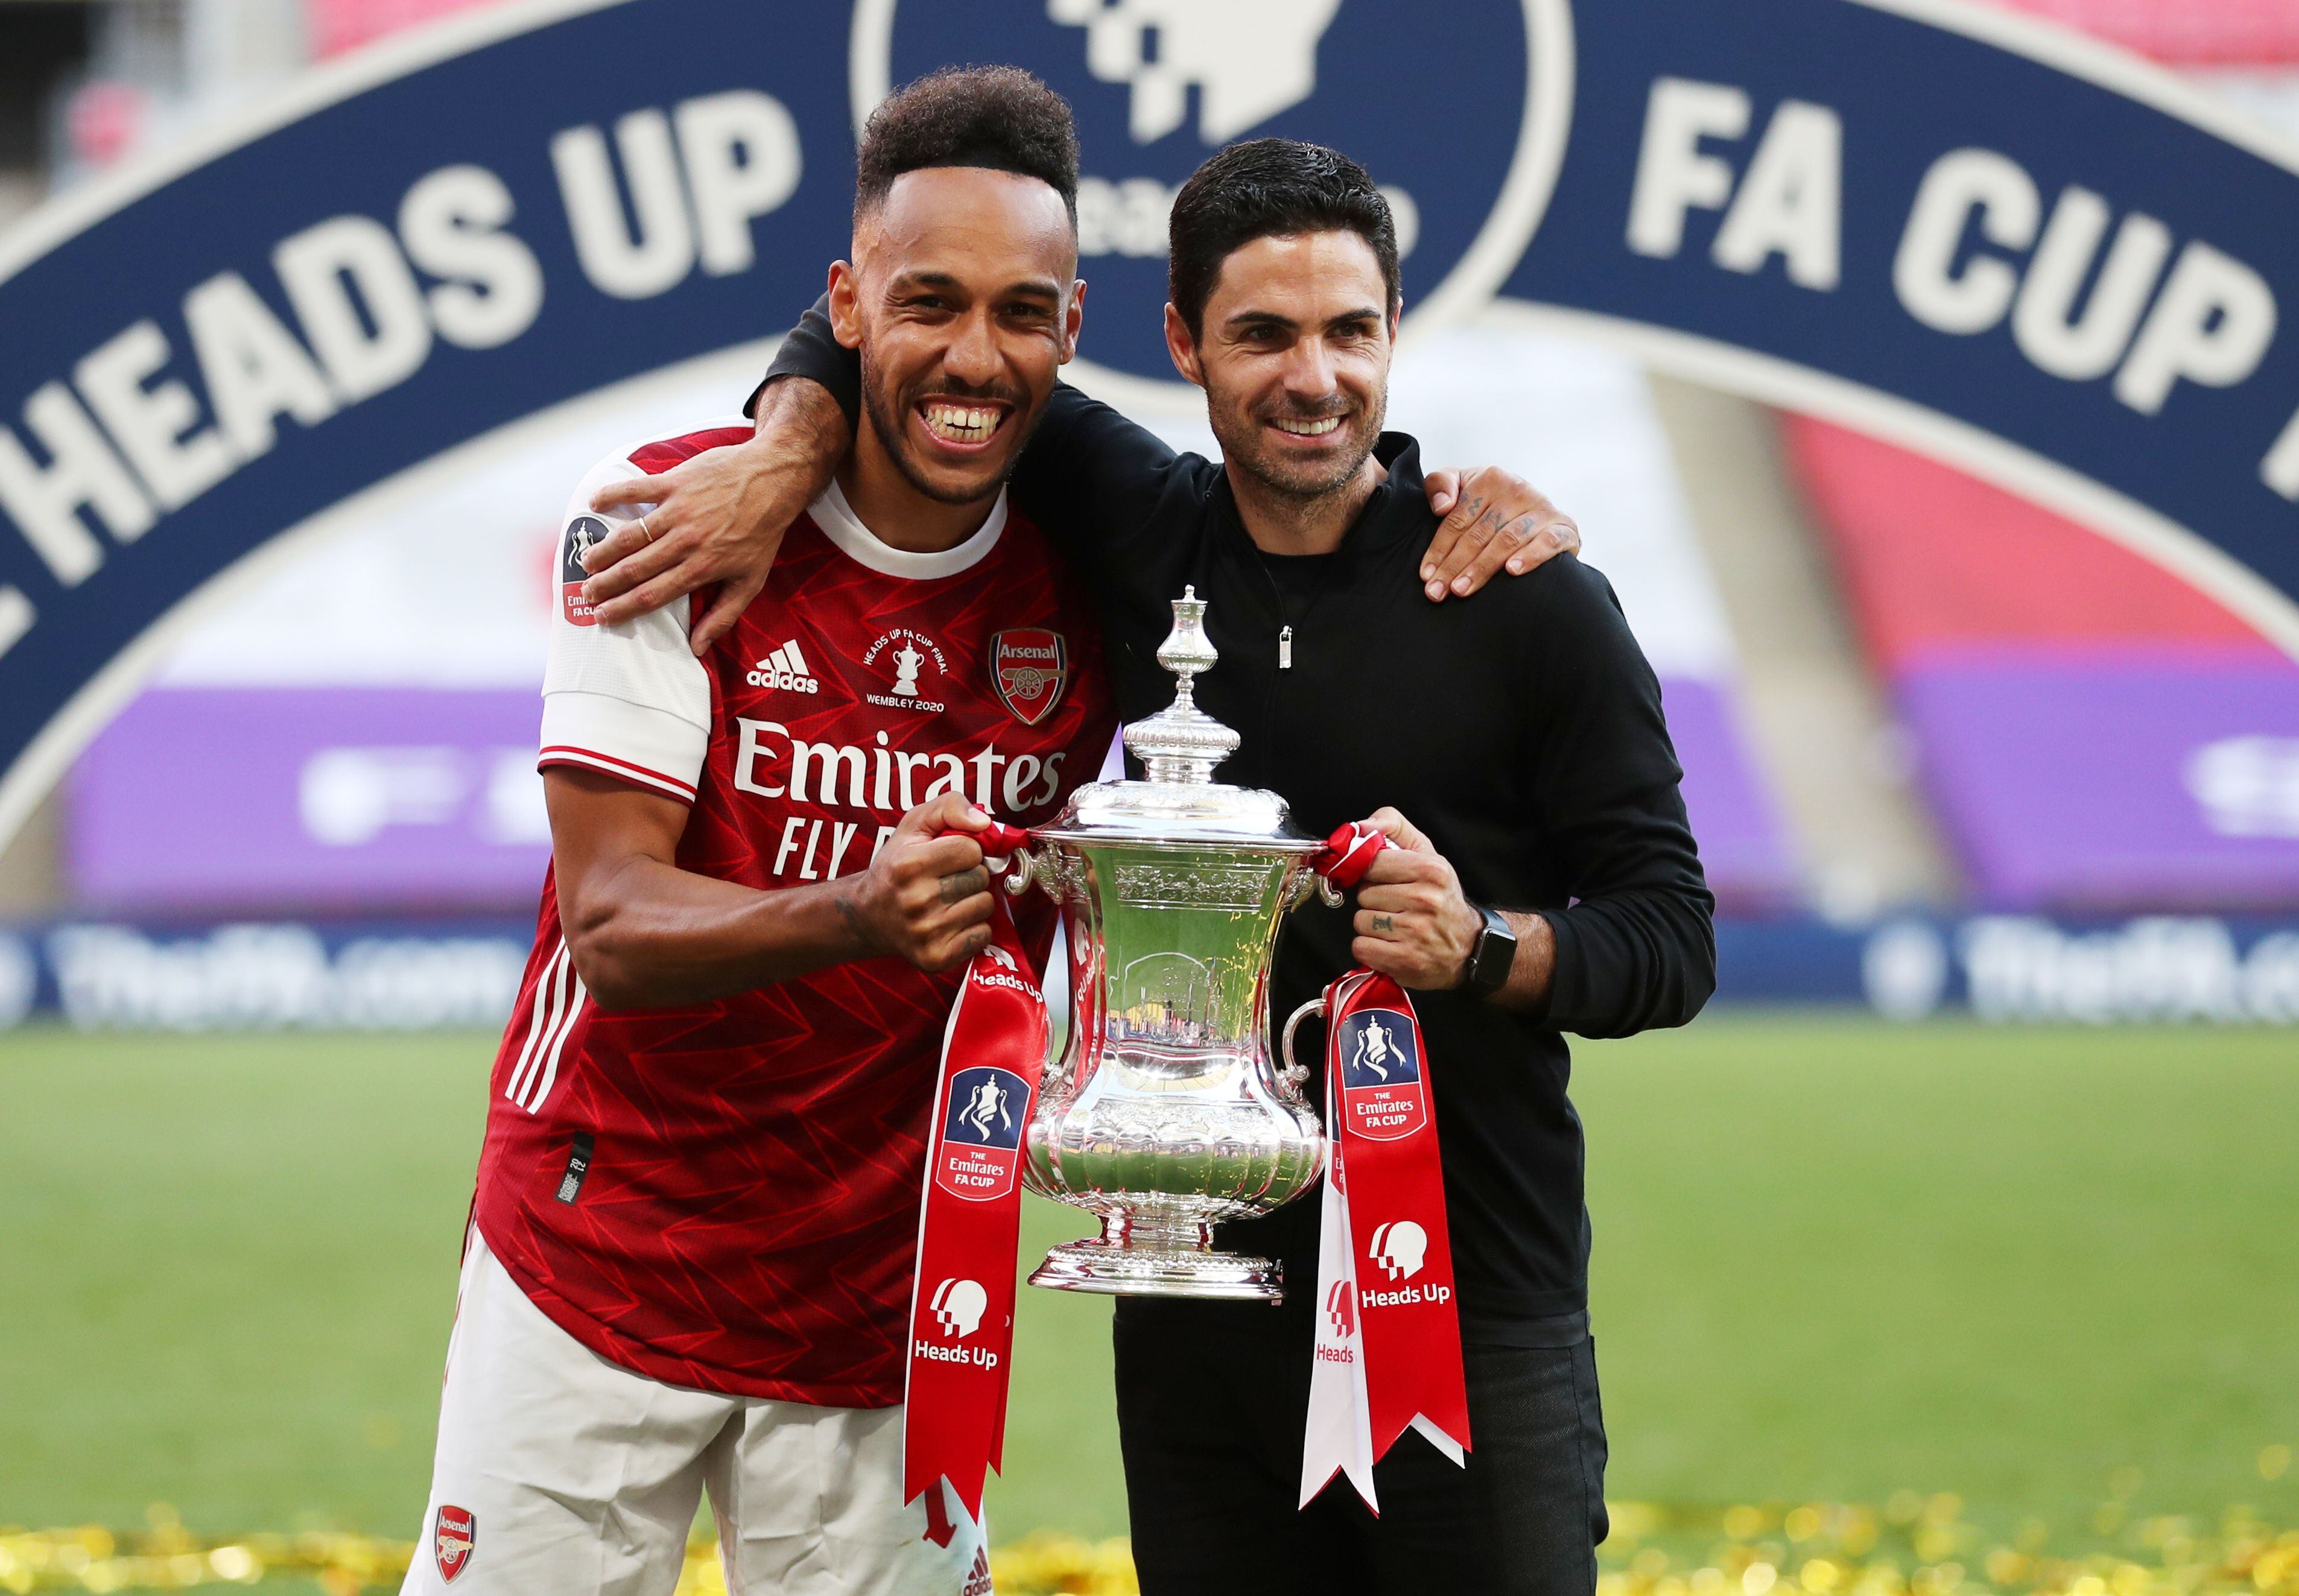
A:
(1911, 1545)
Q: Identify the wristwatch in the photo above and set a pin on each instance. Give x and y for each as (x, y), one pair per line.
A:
(1491, 958)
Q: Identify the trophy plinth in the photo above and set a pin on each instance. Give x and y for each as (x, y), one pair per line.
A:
(1166, 1115)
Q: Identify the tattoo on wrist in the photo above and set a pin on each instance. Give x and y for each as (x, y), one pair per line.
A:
(850, 915)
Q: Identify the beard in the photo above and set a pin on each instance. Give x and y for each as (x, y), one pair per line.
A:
(1247, 451)
(886, 410)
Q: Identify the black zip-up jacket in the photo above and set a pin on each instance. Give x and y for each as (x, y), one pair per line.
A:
(1520, 730)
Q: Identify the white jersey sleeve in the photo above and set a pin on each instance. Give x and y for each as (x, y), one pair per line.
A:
(631, 700)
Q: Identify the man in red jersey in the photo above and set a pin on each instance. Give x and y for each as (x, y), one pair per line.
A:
(698, 1203)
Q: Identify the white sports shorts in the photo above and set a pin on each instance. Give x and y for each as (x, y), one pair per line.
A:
(559, 1474)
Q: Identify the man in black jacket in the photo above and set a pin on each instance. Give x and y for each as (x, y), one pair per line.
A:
(1514, 745)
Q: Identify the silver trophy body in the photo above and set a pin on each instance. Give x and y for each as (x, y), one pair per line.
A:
(1164, 1116)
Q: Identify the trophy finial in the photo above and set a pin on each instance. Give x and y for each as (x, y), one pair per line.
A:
(1180, 744)
(1187, 650)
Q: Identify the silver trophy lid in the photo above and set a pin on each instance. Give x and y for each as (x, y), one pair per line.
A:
(1179, 747)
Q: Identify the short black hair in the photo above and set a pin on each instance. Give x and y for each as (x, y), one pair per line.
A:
(1266, 187)
(1002, 118)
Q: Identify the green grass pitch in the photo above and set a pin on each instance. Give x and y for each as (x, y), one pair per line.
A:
(1834, 1259)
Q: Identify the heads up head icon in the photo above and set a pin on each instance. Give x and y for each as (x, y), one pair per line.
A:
(1158, 86)
(1399, 1247)
(1247, 63)
(959, 1305)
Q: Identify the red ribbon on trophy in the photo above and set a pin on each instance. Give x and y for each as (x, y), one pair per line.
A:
(1388, 1350)
(1388, 1354)
(961, 1335)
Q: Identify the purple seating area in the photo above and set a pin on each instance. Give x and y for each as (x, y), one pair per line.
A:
(2112, 783)
(208, 799)
(1751, 867)
(2094, 736)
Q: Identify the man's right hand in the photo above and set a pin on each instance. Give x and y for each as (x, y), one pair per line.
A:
(925, 897)
(718, 518)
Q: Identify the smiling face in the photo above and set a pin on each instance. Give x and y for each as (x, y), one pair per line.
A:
(1293, 356)
(964, 301)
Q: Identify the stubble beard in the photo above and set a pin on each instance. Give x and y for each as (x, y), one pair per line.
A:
(886, 421)
(1252, 461)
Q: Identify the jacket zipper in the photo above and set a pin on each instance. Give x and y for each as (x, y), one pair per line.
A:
(1283, 607)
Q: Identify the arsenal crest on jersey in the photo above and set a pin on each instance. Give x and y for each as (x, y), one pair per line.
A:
(453, 1533)
(1029, 668)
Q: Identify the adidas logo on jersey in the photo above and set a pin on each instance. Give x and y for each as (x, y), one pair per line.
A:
(785, 668)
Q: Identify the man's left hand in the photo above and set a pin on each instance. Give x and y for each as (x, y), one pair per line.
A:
(1493, 521)
(1413, 924)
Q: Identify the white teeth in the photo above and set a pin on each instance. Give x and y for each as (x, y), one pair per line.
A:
(960, 424)
(1306, 429)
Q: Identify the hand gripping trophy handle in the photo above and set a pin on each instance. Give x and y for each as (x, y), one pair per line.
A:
(1010, 845)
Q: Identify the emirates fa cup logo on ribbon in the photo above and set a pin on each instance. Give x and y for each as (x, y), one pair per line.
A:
(1381, 1089)
(981, 1133)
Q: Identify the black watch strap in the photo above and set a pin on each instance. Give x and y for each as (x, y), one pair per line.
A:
(1490, 960)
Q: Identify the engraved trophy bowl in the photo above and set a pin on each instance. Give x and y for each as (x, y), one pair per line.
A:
(1166, 1115)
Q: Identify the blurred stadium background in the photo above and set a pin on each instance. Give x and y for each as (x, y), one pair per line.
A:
(2012, 812)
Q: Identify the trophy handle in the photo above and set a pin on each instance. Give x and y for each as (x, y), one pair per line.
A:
(1296, 1076)
(1022, 869)
(1309, 884)
(1041, 867)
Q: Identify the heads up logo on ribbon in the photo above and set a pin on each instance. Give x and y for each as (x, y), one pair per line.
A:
(1465, 143)
(959, 1305)
(1400, 1247)
(1380, 1075)
(981, 1132)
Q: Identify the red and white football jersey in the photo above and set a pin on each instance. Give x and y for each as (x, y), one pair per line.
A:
(725, 1195)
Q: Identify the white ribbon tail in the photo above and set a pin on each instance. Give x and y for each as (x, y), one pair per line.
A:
(1338, 1436)
(1440, 1439)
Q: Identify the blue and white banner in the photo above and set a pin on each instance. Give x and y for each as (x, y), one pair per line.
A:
(2027, 255)
(136, 974)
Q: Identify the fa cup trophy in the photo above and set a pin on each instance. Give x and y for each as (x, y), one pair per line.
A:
(1165, 1115)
